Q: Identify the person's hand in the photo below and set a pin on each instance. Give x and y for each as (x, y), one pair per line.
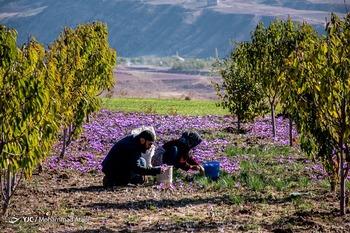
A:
(201, 170)
(163, 168)
(198, 168)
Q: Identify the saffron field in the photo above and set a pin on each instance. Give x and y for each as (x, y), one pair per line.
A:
(265, 185)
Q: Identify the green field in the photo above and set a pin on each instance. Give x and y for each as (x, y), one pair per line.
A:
(164, 106)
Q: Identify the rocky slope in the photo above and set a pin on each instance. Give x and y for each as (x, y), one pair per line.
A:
(161, 27)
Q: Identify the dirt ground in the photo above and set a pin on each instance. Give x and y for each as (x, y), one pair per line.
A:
(74, 202)
(158, 83)
(151, 209)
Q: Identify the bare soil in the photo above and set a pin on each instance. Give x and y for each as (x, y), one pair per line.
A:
(149, 209)
(158, 83)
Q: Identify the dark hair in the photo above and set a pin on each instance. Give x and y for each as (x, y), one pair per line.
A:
(192, 138)
(147, 135)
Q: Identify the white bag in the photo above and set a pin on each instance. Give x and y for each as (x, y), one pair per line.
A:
(150, 152)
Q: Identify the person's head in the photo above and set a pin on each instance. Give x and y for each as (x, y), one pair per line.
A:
(191, 138)
(146, 138)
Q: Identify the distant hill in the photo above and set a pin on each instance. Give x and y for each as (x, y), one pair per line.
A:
(161, 27)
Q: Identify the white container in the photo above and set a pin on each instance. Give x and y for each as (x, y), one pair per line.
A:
(166, 177)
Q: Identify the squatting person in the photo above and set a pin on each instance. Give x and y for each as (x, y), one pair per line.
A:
(124, 164)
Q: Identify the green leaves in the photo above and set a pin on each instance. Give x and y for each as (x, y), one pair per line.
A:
(307, 74)
(83, 63)
(239, 92)
(256, 70)
(23, 106)
(271, 48)
(319, 92)
(43, 91)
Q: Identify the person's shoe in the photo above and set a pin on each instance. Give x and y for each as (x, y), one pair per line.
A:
(106, 182)
(137, 179)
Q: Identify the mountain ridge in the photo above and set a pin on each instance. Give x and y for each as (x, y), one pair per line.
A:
(160, 27)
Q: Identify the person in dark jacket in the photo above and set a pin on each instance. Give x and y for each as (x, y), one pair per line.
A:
(124, 164)
(177, 152)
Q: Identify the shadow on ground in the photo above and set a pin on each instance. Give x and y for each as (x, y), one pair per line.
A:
(188, 226)
(306, 221)
(100, 230)
(94, 188)
(166, 203)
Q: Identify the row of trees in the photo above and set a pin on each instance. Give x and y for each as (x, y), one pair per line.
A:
(308, 75)
(175, 63)
(46, 91)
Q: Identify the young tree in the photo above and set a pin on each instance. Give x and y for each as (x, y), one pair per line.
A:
(291, 32)
(333, 93)
(300, 103)
(270, 47)
(42, 91)
(323, 85)
(28, 116)
(63, 60)
(83, 65)
(97, 73)
(239, 92)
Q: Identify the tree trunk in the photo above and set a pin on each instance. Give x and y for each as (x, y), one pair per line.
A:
(342, 182)
(342, 159)
(238, 124)
(7, 193)
(3, 190)
(2, 144)
(13, 182)
(333, 184)
(71, 131)
(290, 131)
(63, 151)
(273, 120)
(334, 175)
(40, 168)
(67, 139)
(9, 182)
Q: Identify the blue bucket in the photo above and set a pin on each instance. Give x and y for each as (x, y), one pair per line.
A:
(212, 169)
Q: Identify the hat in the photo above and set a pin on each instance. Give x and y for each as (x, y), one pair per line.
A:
(148, 135)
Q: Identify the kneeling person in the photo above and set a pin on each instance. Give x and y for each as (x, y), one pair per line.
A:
(124, 164)
(177, 152)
